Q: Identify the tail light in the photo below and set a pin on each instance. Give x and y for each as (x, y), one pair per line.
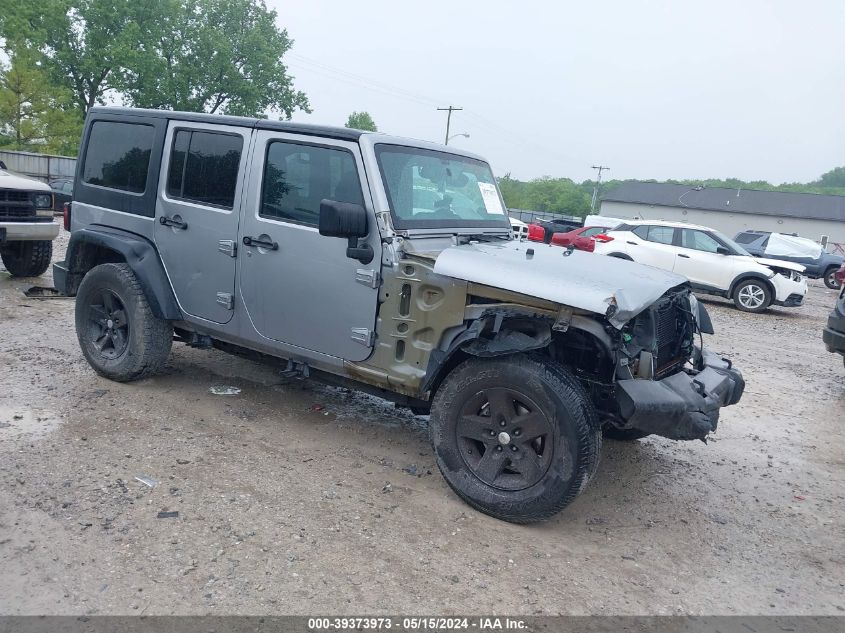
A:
(840, 275)
(536, 233)
(604, 239)
(66, 215)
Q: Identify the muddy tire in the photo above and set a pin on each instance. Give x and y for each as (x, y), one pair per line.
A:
(752, 295)
(623, 435)
(516, 437)
(830, 278)
(118, 333)
(27, 259)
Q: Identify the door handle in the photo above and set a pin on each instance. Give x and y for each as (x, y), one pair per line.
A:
(255, 242)
(684, 256)
(633, 243)
(176, 224)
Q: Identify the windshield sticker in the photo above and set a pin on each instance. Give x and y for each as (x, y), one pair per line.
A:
(491, 198)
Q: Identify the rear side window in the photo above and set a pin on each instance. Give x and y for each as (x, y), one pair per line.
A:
(118, 155)
(657, 234)
(297, 177)
(204, 167)
(747, 238)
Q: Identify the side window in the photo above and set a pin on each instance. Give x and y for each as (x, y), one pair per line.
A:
(297, 177)
(699, 240)
(746, 238)
(641, 231)
(661, 234)
(118, 155)
(204, 167)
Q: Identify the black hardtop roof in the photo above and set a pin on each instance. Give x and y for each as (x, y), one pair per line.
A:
(328, 131)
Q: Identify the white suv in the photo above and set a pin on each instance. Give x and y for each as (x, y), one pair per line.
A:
(712, 262)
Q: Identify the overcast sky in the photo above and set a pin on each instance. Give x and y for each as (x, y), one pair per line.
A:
(653, 89)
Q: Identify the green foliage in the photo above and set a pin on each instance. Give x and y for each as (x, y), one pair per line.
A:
(197, 55)
(361, 121)
(34, 115)
(547, 194)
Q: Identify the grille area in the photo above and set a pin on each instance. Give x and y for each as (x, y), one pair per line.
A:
(674, 334)
(16, 205)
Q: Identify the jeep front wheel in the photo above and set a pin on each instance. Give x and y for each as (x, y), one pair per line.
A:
(516, 437)
(119, 335)
(26, 259)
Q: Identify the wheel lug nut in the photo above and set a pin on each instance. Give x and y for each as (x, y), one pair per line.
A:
(513, 447)
(502, 423)
(517, 432)
(492, 433)
(499, 448)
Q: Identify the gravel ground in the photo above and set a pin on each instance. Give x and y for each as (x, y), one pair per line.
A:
(296, 498)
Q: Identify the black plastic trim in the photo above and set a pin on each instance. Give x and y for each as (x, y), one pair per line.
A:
(136, 251)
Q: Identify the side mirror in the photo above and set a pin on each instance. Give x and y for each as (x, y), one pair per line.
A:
(346, 220)
(721, 250)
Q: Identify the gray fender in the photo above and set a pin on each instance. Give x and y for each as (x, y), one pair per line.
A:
(136, 251)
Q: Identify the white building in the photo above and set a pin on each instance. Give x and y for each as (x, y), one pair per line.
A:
(816, 216)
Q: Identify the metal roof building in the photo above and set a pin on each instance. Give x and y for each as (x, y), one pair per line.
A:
(816, 216)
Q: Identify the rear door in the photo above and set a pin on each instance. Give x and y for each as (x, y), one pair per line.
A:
(652, 245)
(197, 211)
(298, 286)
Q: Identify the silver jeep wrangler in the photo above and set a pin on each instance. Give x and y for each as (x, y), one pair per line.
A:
(386, 264)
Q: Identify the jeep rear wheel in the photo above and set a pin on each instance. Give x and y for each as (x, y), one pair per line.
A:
(752, 295)
(26, 259)
(517, 437)
(119, 335)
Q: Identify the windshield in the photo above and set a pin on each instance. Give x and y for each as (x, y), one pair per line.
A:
(738, 250)
(431, 189)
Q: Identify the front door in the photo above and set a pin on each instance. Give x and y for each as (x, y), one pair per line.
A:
(197, 213)
(298, 286)
(699, 261)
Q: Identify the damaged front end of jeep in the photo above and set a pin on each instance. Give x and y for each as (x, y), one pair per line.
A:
(643, 365)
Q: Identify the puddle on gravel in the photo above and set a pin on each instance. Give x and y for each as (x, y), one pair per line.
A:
(20, 421)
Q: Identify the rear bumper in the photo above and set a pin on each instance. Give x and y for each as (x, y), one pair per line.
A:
(28, 231)
(60, 277)
(684, 406)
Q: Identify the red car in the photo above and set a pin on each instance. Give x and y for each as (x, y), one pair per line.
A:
(584, 239)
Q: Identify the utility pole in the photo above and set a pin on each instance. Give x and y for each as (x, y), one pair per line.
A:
(450, 109)
(600, 169)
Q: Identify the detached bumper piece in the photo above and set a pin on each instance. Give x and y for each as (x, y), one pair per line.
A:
(682, 406)
(792, 301)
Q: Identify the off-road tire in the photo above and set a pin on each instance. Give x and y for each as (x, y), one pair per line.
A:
(830, 279)
(767, 294)
(28, 258)
(622, 435)
(574, 437)
(148, 342)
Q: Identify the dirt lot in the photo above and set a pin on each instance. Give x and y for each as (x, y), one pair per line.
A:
(298, 498)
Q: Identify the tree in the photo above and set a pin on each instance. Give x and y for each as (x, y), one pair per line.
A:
(833, 178)
(211, 56)
(361, 121)
(197, 55)
(35, 116)
(558, 195)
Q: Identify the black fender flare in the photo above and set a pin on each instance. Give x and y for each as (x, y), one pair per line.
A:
(137, 251)
(752, 275)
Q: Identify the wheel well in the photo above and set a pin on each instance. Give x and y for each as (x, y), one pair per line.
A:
(769, 286)
(85, 257)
